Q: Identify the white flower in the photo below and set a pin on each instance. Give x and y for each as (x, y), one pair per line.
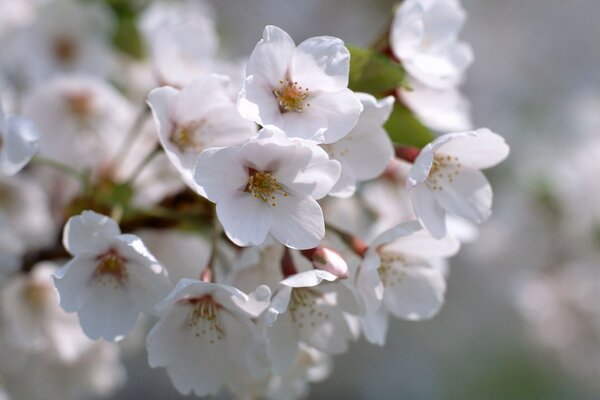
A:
(307, 310)
(441, 110)
(84, 119)
(445, 178)
(300, 90)
(401, 274)
(203, 333)
(182, 39)
(111, 278)
(424, 37)
(18, 143)
(367, 149)
(201, 115)
(268, 185)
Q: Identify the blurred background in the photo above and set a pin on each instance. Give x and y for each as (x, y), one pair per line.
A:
(522, 316)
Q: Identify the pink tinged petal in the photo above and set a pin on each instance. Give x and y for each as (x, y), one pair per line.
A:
(19, 144)
(428, 211)
(272, 55)
(298, 222)
(89, 232)
(422, 243)
(73, 282)
(418, 294)
(110, 313)
(218, 173)
(477, 149)
(340, 109)
(468, 195)
(374, 326)
(246, 219)
(321, 63)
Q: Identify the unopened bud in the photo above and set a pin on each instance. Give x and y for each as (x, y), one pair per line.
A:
(328, 260)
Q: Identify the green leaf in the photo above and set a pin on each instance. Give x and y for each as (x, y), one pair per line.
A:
(372, 72)
(405, 129)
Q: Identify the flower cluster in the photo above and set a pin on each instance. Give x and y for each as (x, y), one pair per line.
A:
(263, 221)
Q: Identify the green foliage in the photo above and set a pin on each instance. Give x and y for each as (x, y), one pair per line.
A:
(372, 72)
(405, 129)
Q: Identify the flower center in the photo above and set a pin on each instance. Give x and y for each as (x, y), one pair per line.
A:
(290, 96)
(64, 49)
(188, 137)
(80, 104)
(264, 186)
(443, 170)
(304, 308)
(111, 269)
(389, 271)
(36, 294)
(204, 319)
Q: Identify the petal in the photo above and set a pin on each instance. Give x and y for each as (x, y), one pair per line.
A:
(407, 29)
(20, 144)
(370, 287)
(396, 233)
(73, 282)
(419, 171)
(109, 313)
(256, 102)
(197, 99)
(477, 149)
(308, 278)
(418, 294)
(315, 180)
(321, 63)
(89, 232)
(345, 187)
(166, 340)
(340, 109)
(219, 173)
(246, 219)
(468, 195)
(374, 326)
(422, 243)
(282, 343)
(272, 55)
(298, 222)
(427, 210)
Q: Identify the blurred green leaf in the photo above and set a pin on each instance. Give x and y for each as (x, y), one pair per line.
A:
(372, 72)
(405, 129)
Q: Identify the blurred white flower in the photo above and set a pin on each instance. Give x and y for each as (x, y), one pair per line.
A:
(111, 278)
(269, 185)
(200, 116)
(424, 36)
(367, 149)
(445, 178)
(18, 143)
(301, 90)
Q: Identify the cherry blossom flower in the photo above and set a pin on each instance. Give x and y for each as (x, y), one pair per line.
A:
(18, 143)
(401, 274)
(201, 115)
(367, 149)
(268, 185)
(424, 37)
(204, 331)
(111, 278)
(445, 178)
(300, 90)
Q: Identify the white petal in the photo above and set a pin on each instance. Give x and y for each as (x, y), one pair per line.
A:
(419, 293)
(197, 99)
(166, 340)
(468, 195)
(321, 63)
(73, 282)
(272, 55)
(282, 343)
(370, 287)
(407, 29)
(374, 326)
(219, 173)
(246, 219)
(308, 278)
(109, 313)
(315, 181)
(426, 208)
(298, 222)
(419, 171)
(477, 149)
(422, 243)
(340, 109)
(89, 232)
(395, 233)
(18, 145)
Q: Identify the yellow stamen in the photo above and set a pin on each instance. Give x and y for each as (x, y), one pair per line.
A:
(291, 97)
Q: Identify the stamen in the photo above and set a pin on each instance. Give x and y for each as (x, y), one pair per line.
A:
(444, 168)
(80, 104)
(264, 186)
(291, 96)
(64, 49)
(188, 137)
(204, 318)
(111, 269)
